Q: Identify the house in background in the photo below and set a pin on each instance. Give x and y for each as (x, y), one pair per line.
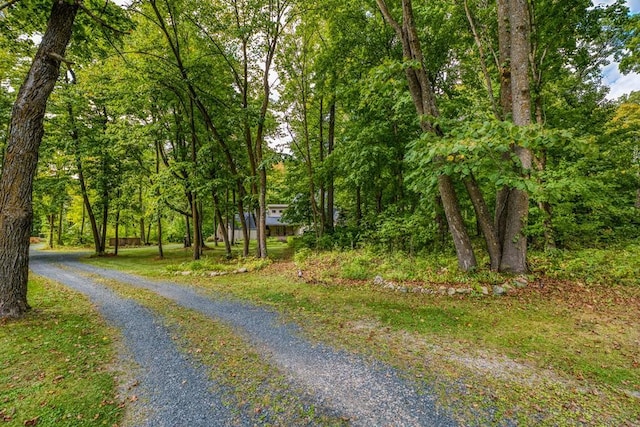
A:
(275, 226)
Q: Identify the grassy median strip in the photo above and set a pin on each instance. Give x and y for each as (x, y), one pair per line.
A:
(256, 387)
(55, 363)
(560, 352)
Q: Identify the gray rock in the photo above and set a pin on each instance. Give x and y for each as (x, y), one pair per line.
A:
(499, 290)
(521, 282)
(463, 290)
(243, 270)
(451, 291)
(442, 290)
(379, 281)
(484, 290)
(186, 273)
(401, 289)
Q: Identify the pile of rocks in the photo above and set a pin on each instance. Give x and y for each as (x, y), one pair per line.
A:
(498, 290)
(212, 273)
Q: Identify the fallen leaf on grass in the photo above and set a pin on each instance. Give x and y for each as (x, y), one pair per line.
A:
(31, 422)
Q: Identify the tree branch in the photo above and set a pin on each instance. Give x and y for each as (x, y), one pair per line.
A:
(8, 4)
(97, 18)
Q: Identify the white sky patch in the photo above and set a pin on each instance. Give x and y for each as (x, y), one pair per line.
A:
(618, 83)
(634, 5)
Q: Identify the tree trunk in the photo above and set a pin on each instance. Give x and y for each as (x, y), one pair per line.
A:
(424, 101)
(462, 242)
(83, 185)
(142, 227)
(484, 221)
(158, 205)
(84, 214)
(21, 158)
(187, 235)
(60, 217)
(105, 217)
(197, 244)
(117, 240)
(504, 66)
(221, 225)
(51, 219)
(358, 205)
(160, 249)
(330, 184)
(514, 245)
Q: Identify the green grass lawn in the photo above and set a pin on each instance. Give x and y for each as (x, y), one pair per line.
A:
(55, 363)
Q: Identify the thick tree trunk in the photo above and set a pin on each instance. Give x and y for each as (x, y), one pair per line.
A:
(21, 158)
(504, 66)
(514, 245)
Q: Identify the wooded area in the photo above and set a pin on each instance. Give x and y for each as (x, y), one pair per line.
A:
(393, 124)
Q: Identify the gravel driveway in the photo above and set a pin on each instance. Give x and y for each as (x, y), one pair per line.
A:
(176, 392)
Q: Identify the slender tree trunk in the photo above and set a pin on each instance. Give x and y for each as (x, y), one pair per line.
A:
(51, 219)
(117, 240)
(191, 194)
(105, 217)
(187, 236)
(358, 205)
(97, 243)
(485, 223)
(84, 214)
(457, 228)
(21, 158)
(60, 217)
(222, 226)
(158, 206)
(330, 184)
(420, 88)
(321, 188)
(142, 227)
(160, 249)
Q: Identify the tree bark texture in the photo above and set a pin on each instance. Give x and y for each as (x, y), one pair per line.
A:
(514, 245)
(484, 221)
(21, 158)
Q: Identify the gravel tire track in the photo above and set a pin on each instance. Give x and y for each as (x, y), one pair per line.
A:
(367, 393)
(172, 391)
